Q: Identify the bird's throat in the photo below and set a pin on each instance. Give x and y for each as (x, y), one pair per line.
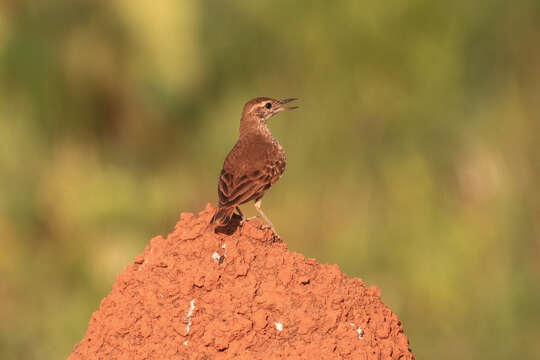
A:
(254, 126)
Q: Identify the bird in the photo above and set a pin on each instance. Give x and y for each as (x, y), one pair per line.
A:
(254, 164)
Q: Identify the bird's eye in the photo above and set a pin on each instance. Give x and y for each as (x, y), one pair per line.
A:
(268, 105)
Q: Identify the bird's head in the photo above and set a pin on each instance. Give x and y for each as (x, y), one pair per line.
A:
(263, 108)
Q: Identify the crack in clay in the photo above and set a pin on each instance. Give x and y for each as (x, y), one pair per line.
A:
(142, 265)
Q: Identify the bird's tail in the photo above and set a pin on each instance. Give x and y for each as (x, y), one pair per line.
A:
(222, 217)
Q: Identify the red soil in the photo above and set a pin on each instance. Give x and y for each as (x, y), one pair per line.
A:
(201, 295)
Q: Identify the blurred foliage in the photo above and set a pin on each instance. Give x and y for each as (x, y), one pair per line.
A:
(412, 162)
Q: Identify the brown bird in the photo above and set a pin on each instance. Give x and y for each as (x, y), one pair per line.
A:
(255, 163)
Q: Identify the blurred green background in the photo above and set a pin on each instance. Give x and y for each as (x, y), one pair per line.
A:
(413, 160)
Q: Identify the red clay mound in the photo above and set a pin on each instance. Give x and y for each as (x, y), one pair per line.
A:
(200, 295)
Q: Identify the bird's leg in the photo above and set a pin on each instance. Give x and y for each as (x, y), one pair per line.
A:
(244, 219)
(240, 213)
(258, 207)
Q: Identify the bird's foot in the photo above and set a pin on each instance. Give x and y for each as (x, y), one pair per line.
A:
(276, 235)
(244, 220)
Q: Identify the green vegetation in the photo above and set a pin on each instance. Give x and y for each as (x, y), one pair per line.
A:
(413, 161)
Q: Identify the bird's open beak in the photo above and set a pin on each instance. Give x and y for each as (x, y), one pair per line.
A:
(285, 108)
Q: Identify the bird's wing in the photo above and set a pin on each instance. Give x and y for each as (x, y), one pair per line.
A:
(277, 170)
(248, 171)
(236, 189)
